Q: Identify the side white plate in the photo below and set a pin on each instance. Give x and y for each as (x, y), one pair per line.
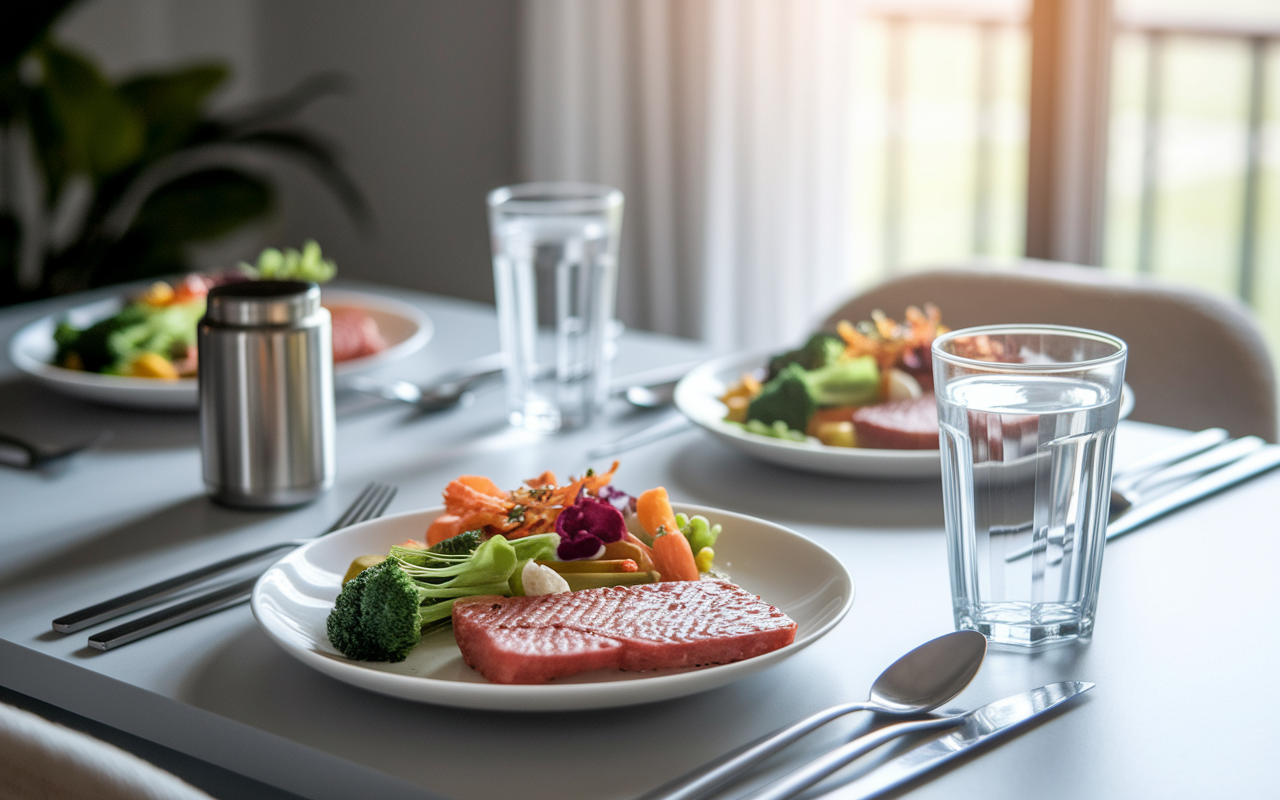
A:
(406, 328)
(293, 599)
(697, 397)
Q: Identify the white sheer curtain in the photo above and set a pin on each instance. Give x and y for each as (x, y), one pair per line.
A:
(726, 123)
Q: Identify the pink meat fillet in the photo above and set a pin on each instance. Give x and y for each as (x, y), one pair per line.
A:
(898, 424)
(651, 626)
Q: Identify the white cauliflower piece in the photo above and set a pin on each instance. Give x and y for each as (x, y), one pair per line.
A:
(538, 579)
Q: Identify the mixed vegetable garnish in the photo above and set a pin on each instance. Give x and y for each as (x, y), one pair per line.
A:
(154, 335)
(542, 538)
(812, 391)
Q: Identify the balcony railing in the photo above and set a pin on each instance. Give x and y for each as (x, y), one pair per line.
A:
(995, 201)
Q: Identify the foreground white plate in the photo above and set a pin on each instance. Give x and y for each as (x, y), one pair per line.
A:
(292, 601)
(405, 327)
(697, 396)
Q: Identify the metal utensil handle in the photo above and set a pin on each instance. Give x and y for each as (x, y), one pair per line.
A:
(370, 503)
(140, 598)
(1195, 443)
(824, 765)
(656, 431)
(1248, 467)
(703, 780)
(167, 618)
(1210, 459)
(1259, 461)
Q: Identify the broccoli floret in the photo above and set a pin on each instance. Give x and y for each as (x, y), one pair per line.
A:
(784, 399)
(381, 614)
(391, 613)
(821, 349)
(464, 544)
(344, 624)
(849, 382)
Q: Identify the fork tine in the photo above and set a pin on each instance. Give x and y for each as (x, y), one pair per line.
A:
(377, 503)
(388, 496)
(354, 509)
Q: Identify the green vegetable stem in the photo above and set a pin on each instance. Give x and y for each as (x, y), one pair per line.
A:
(381, 614)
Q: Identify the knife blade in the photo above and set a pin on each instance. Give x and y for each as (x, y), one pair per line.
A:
(987, 720)
(982, 725)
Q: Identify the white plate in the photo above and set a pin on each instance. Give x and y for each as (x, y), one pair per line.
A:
(697, 396)
(292, 601)
(405, 328)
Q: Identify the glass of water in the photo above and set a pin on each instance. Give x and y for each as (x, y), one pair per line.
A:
(555, 263)
(1027, 417)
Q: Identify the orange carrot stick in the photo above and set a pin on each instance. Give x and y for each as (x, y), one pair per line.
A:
(672, 555)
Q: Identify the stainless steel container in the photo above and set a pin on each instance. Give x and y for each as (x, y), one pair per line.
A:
(266, 394)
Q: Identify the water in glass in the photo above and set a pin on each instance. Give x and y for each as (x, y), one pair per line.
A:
(1026, 460)
(555, 278)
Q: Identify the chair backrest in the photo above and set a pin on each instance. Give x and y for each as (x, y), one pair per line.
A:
(1195, 360)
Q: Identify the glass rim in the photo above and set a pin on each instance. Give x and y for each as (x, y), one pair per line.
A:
(1122, 348)
(555, 197)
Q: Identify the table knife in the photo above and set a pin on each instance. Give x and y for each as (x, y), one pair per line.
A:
(666, 427)
(1263, 460)
(981, 726)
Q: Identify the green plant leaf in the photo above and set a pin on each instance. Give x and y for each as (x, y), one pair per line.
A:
(99, 132)
(170, 104)
(204, 204)
(286, 105)
(317, 155)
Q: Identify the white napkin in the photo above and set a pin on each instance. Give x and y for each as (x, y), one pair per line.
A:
(43, 761)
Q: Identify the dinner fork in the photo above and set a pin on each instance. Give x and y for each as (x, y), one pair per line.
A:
(227, 597)
(369, 504)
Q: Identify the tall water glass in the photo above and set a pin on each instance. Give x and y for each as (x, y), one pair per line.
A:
(1027, 417)
(555, 261)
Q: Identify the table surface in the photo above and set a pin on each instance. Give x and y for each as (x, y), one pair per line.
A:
(1185, 623)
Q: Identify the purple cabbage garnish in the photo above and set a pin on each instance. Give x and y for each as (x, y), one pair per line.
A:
(618, 498)
(586, 527)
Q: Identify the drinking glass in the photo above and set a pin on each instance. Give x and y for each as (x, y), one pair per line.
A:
(1027, 417)
(555, 257)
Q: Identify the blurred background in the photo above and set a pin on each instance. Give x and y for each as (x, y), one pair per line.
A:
(774, 155)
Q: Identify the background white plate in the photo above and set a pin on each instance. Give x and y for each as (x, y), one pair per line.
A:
(292, 600)
(697, 396)
(405, 327)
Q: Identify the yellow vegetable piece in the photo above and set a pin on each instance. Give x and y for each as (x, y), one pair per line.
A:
(837, 434)
(704, 558)
(73, 361)
(159, 294)
(737, 408)
(152, 365)
(360, 565)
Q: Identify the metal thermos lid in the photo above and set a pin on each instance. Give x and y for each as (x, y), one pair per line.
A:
(252, 303)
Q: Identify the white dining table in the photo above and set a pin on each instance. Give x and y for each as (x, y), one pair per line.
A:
(1185, 655)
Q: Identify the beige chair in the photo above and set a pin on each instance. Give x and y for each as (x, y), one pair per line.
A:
(42, 761)
(1195, 360)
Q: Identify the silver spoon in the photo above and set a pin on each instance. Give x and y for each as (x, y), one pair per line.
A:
(654, 395)
(920, 681)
